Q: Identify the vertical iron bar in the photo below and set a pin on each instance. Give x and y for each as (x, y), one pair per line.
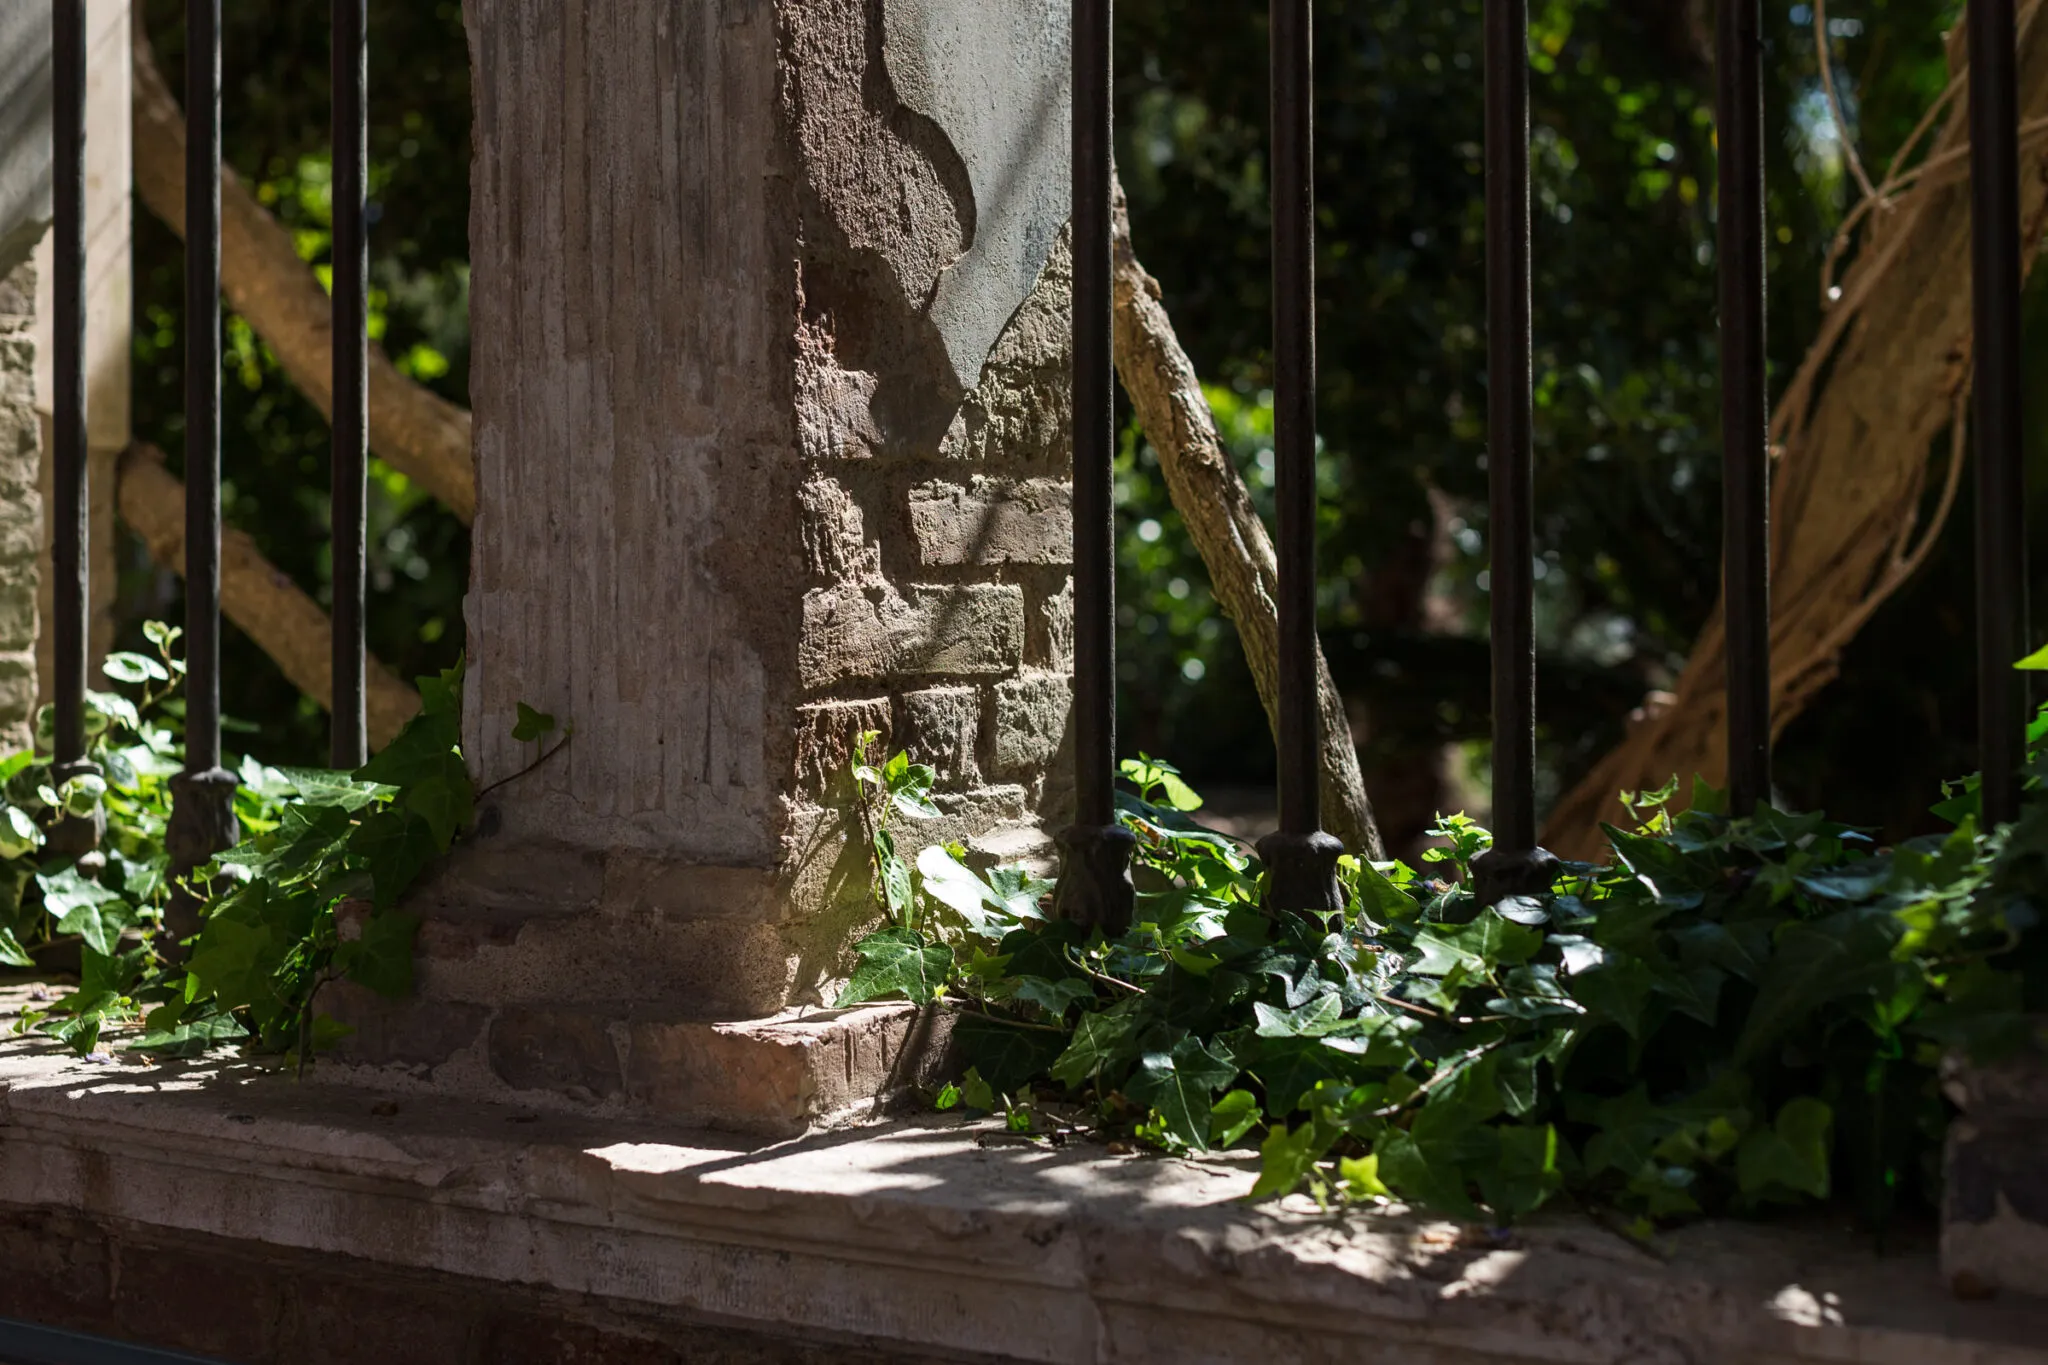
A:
(69, 520)
(70, 514)
(202, 385)
(350, 744)
(1095, 882)
(203, 814)
(1509, 376)
(1301, 858)
(1515, 865)
(2001, 525)
(1745, 401)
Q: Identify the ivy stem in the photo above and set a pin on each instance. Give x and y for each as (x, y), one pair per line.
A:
(531, 767)
(1099, 977)
(999, 1019)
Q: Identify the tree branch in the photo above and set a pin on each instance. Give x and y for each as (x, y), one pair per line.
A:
(288, 625)
(1212, 499)
(411, 428)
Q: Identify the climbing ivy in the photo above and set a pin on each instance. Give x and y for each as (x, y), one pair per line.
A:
(308, 897)
(1733, 1013)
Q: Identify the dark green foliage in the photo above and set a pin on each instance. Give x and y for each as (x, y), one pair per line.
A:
(308, 897)
(1732, 1014)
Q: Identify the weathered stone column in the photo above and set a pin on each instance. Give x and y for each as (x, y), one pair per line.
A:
(770, 383)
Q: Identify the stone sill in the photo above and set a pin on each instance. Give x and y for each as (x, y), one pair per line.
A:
(937, 1240)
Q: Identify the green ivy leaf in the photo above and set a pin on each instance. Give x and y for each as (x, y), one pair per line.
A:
(1422, 1168)
(443, 797)
(1313, 1020)
(1524, 1174)
(1291, 1067)
(1054, 997)
(325, 787)
(1617, 990)
(1288, 1157)
(1792, 1153)
(1180, 1086)
(1104, 1044)
(382, 958)
(193, 1039)
(12, 953)
(99, 926)
(1231, 1117)
(1848, 953)
(531, 725)
(897, 962)
(419, 751)
(1010, 1057)
(397, 845)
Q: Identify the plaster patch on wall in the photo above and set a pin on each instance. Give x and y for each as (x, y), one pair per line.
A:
(997, 80)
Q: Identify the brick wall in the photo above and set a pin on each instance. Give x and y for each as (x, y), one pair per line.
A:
(940, 604)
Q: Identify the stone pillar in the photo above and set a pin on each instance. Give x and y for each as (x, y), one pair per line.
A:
(770, 382)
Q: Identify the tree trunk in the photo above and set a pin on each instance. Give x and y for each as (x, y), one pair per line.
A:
(1889, 372)
(1217, 507)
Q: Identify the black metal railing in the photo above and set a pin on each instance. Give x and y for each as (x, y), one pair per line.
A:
(203, 817)
(1097, 886)
(1299, 853)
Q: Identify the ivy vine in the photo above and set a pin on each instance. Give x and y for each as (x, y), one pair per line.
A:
(1734, 1013)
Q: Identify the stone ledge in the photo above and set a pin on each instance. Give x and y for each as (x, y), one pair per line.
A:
(938, 1240)
(778, 1077)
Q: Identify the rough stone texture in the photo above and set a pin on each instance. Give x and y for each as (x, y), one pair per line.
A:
(991, 522)
(902, 1241)
(1995, 1182)
(942, 727)
(21, 507)
(109, 310)
(852, 634)
(1034, 715)
(745, 276)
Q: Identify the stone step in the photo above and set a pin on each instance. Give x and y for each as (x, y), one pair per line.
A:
(778, 1076)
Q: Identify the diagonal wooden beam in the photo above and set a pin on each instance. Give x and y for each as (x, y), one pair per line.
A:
(254, 593)
(412, 428)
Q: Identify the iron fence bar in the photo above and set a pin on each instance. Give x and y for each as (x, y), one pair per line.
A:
(1095, 881)
(1300, 857)
(350, 733)
(203, 812)
(1510, 481)
(1515, 865)
(71, 500)
(1745, 400)
(2000, 477)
